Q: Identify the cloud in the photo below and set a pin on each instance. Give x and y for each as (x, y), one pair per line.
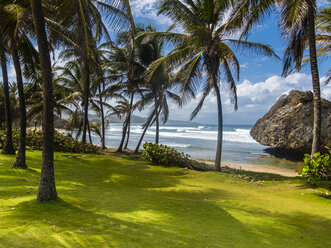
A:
(254, 99)
(245, 65)
(147, 9)
(323, 3)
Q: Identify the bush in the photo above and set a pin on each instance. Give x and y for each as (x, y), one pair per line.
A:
(317, 168)
(166, 156)
(62, 143)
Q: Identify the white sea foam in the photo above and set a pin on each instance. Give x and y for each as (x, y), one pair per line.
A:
(241, 136)
(177, 145)
(199, 133)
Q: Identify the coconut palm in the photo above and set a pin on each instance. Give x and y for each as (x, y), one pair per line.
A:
(158, 87)
(8, 146)
(122, 109)
(297, 23)
(202, 47)
(16, 22)
(70, 78)
(47, 189)
(79, 24)
(130, 87)
(323, 38)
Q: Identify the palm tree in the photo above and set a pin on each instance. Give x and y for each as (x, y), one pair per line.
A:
(323, 26)
(78, 24)
(297, 23)
(130, 87)
(15, 22)
(204, 46)
(47, 189)
(122, 109)
(8, 146)
(323, 38)
(71, 80)
(158, 87)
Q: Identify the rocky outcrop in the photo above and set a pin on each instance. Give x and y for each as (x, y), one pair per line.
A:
(289, 123)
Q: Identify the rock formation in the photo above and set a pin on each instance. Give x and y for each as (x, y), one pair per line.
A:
(289, 123)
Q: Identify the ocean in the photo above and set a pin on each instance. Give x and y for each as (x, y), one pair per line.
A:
(199, 141)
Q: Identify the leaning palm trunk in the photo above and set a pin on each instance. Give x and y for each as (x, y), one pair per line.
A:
(316, 83)
(89, 132)
(127, 136)
(142, 137)
(8, 147)
(157, 123)
(103, 127)
(129, 121)
(20, 161)
(47, 189)
(220, 129)
(125, 128)
(140, 140)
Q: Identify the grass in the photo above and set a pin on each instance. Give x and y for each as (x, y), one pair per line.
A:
(117, 201)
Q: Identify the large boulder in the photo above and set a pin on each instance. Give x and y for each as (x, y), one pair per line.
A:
(289, 123)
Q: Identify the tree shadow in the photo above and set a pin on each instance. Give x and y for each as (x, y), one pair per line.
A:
(117, 203)
(69, 225)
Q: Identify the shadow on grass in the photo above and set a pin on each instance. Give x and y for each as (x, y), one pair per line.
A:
(70, 225)
(115, 202)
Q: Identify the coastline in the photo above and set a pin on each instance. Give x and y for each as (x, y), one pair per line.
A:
(252, 168)
(256, 168)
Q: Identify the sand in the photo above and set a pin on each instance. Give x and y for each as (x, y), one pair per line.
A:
(259, 168)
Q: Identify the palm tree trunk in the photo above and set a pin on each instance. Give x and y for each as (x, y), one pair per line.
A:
(84, 43)
(316, 83)
(86, 98)
(20, 161)
(103, 127)
(129, 121)
(47, 189)
(125, 128)
(220, 128)
(127, 136)
(79, 130)
(157, 122)
(8, 147)
(89, 133)
(142, 137)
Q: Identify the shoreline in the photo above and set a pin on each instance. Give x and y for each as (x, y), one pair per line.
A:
(257, 168)
(251, 168)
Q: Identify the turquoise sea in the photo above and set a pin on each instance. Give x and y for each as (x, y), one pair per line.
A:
(199, 141)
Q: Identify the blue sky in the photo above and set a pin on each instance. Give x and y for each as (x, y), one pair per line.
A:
(260, 83)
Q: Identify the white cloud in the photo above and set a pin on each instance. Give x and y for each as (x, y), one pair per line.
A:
(148, 9)
(323, 3)
(254, 99)
(245, 65)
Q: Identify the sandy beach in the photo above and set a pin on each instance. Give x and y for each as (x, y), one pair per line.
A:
(258, 168)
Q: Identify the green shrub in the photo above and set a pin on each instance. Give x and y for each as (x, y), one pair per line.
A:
(166, 156)
(62, 143)
(317, 168)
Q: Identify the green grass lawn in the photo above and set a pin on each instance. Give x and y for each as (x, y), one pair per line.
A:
(116, 201)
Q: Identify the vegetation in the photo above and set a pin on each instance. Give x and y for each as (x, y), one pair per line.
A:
(62, 143)
(317, 168)
(203, 46)
(135, 71)
(118, 201)
(297, 23)
(166, 156)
